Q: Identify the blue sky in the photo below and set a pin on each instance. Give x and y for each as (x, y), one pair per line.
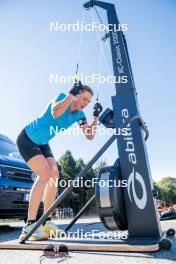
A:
(29, 52)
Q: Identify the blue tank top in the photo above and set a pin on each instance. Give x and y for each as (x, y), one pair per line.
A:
(43, 128)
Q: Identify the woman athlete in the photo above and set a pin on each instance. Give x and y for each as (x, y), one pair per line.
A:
(32, 142)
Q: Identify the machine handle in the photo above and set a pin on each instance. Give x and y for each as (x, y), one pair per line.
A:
(142, 124)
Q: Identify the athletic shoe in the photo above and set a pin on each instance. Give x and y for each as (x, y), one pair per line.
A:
(37, 235)
(52, 230)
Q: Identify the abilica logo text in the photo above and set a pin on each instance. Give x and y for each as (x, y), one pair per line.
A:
(132, 159)
(140, 202)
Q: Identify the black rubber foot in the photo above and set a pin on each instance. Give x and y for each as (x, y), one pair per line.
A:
(165, 244)
(170, 232)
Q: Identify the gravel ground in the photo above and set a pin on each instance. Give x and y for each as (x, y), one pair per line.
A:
(32, 257)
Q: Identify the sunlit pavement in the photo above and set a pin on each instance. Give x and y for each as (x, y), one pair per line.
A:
(12, 230)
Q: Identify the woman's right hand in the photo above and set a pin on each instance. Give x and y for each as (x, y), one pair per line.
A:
(76, 89)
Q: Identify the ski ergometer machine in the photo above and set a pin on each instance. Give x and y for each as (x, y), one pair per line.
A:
(131, 208)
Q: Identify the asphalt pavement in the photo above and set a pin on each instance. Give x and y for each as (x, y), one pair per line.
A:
(11, 230)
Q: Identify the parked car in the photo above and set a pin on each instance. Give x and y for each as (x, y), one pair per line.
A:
(16, 180)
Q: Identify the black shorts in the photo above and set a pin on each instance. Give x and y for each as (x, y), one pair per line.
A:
(29, 149)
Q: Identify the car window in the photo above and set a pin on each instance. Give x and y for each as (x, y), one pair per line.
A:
(9, 150)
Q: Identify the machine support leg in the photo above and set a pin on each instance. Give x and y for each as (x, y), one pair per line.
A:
(79, 214)
(69, 189)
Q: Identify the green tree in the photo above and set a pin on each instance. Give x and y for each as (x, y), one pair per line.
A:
(67, 166)
(69, 169)
(83, 193)
(167, 190)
